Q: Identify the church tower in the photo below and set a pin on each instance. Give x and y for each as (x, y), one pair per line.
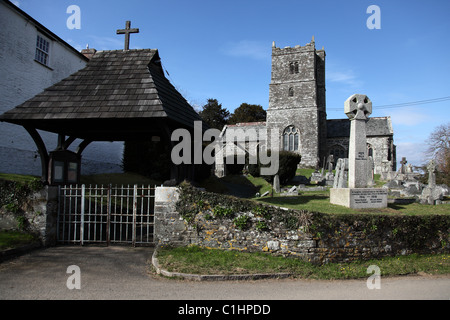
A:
(297, 107)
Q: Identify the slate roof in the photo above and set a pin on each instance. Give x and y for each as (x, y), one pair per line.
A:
(126, 85)
(376, 126)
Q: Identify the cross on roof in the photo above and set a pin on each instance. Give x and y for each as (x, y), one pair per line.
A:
(127, 32)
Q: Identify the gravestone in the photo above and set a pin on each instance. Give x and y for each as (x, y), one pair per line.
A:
(370, 172)
(403, 167)
(409, 168)
(265, 194)
(432, 193)
(358, 196)
(276, 183)
(329, 179)
(340, 181)
(316, 177)
(330, 162)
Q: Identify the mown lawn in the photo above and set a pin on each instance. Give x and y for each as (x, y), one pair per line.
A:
(319, 201)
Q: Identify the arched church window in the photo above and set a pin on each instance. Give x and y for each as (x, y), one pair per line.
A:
(369, 150)
(291, 92)
(291, 139)
(389, 148)
(338, 152)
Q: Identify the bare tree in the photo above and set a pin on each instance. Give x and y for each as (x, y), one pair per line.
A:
(439, 149)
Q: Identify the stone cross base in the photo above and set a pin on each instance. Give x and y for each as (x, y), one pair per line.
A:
(359, 198)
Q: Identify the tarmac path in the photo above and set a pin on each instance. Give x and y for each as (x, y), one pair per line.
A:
(120, 272)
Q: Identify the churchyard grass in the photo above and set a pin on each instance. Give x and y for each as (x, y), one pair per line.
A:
(107, 178)
(12, 239)
(207, 261)
(319, 201)
(260, 183)
(17, 177)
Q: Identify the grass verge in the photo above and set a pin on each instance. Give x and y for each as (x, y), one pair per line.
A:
(14, 239)
(196, 260)
(17, 177)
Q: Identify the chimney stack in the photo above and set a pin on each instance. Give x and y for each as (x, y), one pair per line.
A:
(88, 53)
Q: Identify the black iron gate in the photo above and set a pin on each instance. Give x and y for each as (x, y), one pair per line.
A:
(106, 214)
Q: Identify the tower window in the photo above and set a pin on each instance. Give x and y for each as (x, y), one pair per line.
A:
(291, 139)
(291, 92)
(293, 67)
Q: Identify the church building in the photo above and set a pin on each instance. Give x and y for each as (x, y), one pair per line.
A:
(297, 114)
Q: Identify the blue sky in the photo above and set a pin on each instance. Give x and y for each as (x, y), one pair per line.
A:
(222, 50)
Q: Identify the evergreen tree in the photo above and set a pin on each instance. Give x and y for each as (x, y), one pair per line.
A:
(214, 115)
(248, 113)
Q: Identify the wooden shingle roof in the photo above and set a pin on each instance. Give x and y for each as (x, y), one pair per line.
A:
(129, 86)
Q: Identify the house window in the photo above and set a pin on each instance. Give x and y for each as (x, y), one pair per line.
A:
(42, 50)
(291, 139)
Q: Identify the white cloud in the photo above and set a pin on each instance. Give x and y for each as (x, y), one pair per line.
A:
(413, 151)
(249, 49)
(408, 117)
(105, 43)
(347, 77)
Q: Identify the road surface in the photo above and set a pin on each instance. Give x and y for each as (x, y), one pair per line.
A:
(119, 272)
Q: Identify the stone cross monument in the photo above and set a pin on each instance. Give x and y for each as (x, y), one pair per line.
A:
(431, 175)
(358, 108)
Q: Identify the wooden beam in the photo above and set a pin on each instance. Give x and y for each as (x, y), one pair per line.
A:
(82, 146)
(68, 142)
(42, 152)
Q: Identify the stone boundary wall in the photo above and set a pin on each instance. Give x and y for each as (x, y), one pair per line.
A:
(38, 214)
(185, 216)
